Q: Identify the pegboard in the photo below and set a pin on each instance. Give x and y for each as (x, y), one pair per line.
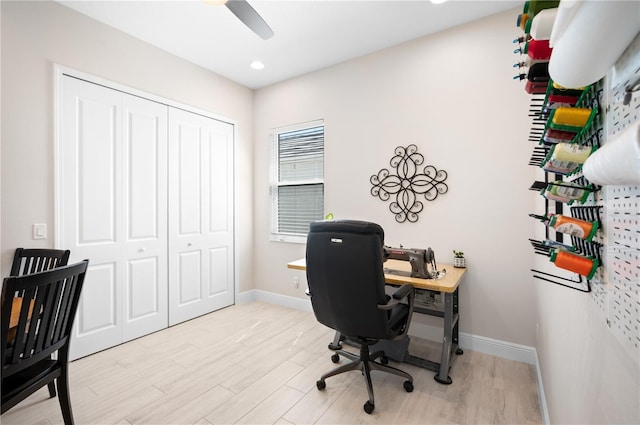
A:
(620, 295)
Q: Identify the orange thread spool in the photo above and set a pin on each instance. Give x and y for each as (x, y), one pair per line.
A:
(573, 226)
(574, 262)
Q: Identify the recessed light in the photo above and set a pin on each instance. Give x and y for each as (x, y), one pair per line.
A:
(438, 1)
(257, 65)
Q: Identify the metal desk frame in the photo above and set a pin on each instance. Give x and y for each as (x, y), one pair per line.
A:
(449, 339)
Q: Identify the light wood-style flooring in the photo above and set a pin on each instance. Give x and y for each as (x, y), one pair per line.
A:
(258, 363)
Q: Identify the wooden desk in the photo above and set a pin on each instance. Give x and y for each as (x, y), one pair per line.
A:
(397, 273)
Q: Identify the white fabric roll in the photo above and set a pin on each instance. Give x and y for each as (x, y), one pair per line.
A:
(618, 161)
(542, 24)
(565, 12)
(588, 37)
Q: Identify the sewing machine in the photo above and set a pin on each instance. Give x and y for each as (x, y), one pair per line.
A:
(420, 259)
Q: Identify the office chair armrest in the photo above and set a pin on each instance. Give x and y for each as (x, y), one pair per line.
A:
(405, 291)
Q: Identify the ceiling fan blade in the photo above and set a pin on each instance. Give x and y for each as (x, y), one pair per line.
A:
(248, 15)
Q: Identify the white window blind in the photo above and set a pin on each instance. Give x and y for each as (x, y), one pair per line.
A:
(298, 189)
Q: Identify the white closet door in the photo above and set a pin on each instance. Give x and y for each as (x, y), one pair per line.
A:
(112, 210)
(201, 276)
(145, 220)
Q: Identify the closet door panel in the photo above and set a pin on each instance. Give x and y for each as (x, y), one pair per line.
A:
(90, 208)
(201, 152)
(97, 312)
(189, 182)
(189, 278)
(97, 141)
(145, 216)
(219, 277)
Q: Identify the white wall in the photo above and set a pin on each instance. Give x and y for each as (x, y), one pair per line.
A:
(589, 378)
(35, 35)
(453, 96)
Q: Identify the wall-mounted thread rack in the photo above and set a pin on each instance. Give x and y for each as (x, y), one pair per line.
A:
(615, 286)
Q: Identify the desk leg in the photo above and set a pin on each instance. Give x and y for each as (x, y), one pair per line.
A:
(450, 337)
(456, 316)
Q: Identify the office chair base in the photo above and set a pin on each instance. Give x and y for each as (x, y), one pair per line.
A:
(366, 363)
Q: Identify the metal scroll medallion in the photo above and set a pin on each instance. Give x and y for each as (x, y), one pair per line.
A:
(408, 182)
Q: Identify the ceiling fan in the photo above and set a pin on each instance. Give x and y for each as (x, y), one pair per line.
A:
(248, 15)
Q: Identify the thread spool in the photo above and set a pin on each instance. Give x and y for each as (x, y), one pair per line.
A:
(555, 101)
(573, 226)
(559, 167)
(567, 91)
(522, 20)
(539, 72)
(528, 62)
(571, 152)
(574, 262)
(535, 6)
(558, 136)
(573, 117)
(541, 25)
(535, 87)
(565, 192)
(538, 49)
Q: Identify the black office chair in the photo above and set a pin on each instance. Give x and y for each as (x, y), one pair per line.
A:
(47, 302)
(33, 260)
(347, 288)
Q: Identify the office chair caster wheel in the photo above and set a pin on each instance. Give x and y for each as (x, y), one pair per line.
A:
(335, 358)
(368, 407)
(408, 386)
(321, 385)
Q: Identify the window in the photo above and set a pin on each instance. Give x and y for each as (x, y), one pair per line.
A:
(297, 182)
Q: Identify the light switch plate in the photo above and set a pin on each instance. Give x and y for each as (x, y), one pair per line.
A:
(40, 231)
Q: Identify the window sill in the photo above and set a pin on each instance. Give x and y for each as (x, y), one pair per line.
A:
(301, 239)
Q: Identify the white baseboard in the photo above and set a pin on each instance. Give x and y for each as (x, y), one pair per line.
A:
(273, 298)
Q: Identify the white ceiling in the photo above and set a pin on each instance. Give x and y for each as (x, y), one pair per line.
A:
(309, 35)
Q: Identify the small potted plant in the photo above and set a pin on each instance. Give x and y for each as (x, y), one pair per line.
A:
(458, 259)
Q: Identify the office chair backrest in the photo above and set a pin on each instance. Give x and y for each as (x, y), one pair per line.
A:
(49, 301)
(346, 278)
(27, 261)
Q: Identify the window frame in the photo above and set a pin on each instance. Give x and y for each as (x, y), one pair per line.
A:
(274, 183)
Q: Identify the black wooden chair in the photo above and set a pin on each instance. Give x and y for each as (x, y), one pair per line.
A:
(33, 260)
(27, 261)
(347, 288)
(43, 306)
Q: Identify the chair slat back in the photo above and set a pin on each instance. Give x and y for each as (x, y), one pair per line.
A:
(48, 302)
(27, 261)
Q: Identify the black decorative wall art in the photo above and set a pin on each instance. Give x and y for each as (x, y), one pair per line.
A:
(407, 183)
